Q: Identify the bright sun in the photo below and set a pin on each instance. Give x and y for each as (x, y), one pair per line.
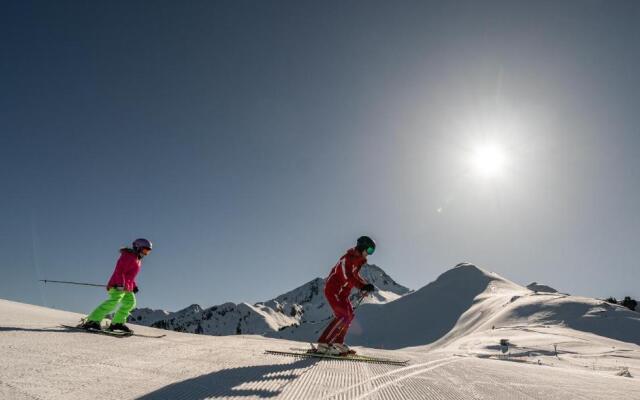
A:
(488, 160)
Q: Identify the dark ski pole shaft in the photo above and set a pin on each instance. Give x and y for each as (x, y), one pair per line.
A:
(72, 283)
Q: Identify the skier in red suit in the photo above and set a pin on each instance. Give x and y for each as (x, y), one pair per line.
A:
(342, 279)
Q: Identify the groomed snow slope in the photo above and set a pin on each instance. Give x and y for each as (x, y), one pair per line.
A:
(39, 360)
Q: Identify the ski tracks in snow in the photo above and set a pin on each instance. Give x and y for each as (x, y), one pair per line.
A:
(334, 380)
(453, 378)
(395, 377)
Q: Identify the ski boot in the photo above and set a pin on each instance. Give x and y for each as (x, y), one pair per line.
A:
(343, 350)
(327, 349)
(90, 325)
(120, 328)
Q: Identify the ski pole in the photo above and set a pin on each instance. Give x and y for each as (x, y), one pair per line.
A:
(72, 283)
(359, 302)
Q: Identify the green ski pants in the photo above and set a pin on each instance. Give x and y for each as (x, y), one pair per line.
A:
(127, 301)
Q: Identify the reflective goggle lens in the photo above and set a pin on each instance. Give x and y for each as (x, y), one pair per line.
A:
(371, 250)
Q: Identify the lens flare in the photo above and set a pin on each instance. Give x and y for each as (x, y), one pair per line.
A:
(488, 160)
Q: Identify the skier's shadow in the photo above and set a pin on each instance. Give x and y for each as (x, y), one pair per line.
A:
(261, 381)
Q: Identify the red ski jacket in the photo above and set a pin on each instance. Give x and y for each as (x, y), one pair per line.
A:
(127, 268)
(346, 274)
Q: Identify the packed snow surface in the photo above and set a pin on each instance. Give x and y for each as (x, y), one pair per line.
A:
(488, 339)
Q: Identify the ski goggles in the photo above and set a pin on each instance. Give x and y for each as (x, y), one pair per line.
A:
(371, 250)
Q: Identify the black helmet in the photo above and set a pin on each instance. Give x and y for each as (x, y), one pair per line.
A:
(365, 243)
(140, 244)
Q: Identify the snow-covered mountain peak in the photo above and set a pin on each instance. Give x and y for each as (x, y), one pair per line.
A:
(467, 281)
(309, 304)
(470, 272)
(300, 295)
(381, 280)
(193, 308)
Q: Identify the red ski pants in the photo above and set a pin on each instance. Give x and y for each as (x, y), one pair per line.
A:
(337, 329)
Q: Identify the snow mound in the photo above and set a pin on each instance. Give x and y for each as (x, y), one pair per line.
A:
(505, 305)
(431, 312)
(575, 312)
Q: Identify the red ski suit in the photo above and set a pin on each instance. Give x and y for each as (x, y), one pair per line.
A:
(343, 277)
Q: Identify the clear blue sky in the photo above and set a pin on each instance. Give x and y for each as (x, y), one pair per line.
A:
(252, 142)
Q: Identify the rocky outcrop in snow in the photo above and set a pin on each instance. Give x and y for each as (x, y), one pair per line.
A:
(536, 287)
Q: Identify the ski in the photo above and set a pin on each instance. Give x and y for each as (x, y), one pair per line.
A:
(355, 357)
(148, 336)
(97, 331)
(112, 333)
(313, 349)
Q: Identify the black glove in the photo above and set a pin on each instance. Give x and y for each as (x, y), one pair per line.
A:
(369, 288)
(135, 289)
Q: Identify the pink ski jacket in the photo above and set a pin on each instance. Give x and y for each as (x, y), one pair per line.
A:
(127, 269)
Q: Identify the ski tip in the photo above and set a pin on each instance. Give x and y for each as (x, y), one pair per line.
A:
(149, 336)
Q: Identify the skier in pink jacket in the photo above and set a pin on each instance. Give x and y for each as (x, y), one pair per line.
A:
(122, 288)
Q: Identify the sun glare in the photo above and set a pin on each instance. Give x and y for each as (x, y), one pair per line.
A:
(488, 160)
